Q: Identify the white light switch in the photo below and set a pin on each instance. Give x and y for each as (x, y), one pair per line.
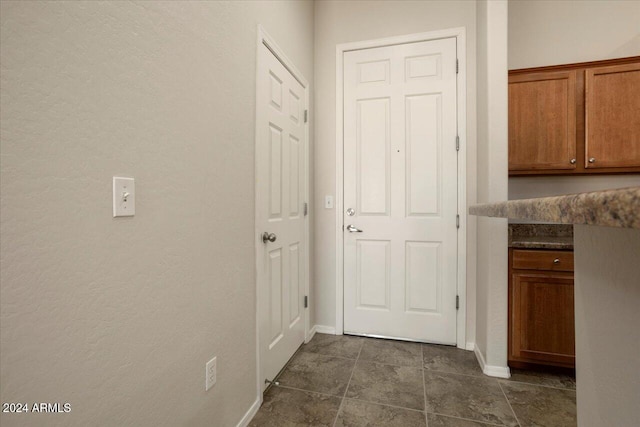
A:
(124, 196)
(328, 202)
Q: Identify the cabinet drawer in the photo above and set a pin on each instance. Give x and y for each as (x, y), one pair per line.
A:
(542, 260)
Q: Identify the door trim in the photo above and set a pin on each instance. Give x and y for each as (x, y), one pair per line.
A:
(460, 35)
(263, 38)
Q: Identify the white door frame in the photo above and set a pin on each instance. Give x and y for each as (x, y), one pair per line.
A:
(268, 41)
(459, 34)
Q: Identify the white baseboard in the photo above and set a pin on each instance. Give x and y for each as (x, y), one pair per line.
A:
(470, 346)
(321, 329)
(244, 422)
(492, 371)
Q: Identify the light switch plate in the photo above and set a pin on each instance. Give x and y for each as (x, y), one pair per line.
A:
(328, 202)
(124, 196)
(211, 375)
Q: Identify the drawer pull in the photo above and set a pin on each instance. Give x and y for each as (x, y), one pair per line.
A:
(556, 261)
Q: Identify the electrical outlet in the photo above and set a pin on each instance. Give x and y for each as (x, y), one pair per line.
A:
(210, 374)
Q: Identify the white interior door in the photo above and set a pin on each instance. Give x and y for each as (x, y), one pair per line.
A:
(280, 183)
(400, 190)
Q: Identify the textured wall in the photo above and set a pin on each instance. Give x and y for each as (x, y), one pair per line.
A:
(607, 291)
(343, 22)
(119, 316)
(491, 332)
(578, 31)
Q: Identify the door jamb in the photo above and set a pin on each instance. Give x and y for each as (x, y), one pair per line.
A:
(460, 35)
(263, 38)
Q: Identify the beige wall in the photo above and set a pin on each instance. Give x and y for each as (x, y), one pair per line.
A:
(562, 32)
(607, 294)
(119, 316)
(543, 186)
(342, 22)
(491, 319)
(550, 32)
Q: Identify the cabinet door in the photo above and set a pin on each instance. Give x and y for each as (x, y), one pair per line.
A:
(542, 316)
(612, 116)
(542, 121)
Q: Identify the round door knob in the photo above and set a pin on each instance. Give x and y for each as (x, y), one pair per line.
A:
(572, 161)
(592, 160)
(268, 237)
(351, 212)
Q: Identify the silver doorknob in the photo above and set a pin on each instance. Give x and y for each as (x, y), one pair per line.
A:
(268, 237)
(572, 161)
(352, 229)
(351, 212)
(592, 160)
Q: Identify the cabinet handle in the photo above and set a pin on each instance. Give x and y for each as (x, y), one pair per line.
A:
(572, 161)
(592, 160)
(556, 261)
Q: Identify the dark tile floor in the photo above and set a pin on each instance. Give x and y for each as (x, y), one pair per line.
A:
(352, 381)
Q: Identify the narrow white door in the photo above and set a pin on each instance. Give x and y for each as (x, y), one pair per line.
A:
(280, 172)
(400, 191)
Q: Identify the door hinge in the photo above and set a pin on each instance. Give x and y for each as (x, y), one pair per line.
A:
(305, 208)
(457, 221)
(457, 302)
(306, 115)
(457, 66)
(457, 143)
(306, 301)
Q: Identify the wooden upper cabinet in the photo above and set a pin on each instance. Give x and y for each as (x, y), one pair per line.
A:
(575, 118)
(542, 121)
(613, 116)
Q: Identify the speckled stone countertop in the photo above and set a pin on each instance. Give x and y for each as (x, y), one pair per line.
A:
(610, 208)
(541, 236)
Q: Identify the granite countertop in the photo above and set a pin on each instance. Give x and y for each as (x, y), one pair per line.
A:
(541, 236)
(610, 208)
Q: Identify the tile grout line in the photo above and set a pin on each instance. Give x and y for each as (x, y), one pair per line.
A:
(537, 385)
(424, 386)
(348, 384)
(509, 403)
(382, 404)
(466, 419)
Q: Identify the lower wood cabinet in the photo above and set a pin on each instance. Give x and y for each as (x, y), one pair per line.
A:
(541, 308)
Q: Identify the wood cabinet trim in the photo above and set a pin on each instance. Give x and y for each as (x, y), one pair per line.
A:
(537, 259)
(576, 66)
(535, 77)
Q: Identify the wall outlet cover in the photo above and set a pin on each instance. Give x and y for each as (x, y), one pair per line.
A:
(124, 196)
(210, 374)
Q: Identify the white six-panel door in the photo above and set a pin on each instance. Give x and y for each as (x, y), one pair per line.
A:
(400, 180)
(280, 172)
